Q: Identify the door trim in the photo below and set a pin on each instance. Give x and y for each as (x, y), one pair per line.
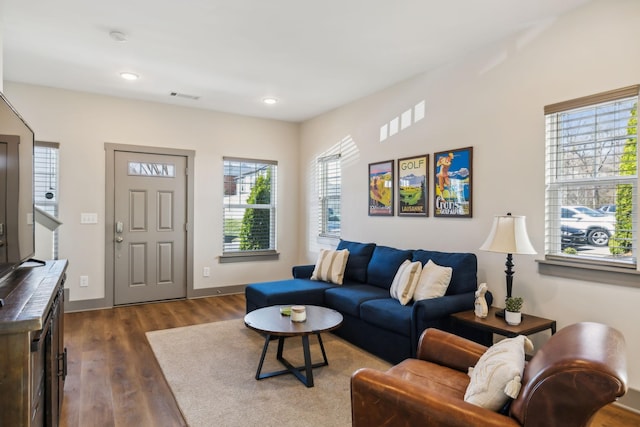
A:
(109, 225)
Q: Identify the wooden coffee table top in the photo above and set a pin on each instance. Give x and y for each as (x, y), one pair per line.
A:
(270, 321)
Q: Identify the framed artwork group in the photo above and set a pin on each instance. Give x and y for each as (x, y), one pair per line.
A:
(451, 188)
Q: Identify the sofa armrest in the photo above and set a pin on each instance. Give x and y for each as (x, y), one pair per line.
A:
(442, 307)
(446, 349)
(436, 312)
(378, 398)
(302, 271)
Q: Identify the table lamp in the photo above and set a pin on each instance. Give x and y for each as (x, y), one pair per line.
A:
(508, 235)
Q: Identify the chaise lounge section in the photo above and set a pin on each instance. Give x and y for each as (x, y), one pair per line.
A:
(373, 320)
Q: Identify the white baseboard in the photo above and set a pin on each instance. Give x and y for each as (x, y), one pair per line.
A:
(630, 401)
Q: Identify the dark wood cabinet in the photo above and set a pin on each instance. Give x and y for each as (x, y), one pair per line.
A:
(33, 358)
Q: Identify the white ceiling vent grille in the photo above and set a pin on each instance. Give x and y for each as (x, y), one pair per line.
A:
(185, 95)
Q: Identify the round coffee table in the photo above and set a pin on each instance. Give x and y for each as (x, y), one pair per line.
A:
(271, 323)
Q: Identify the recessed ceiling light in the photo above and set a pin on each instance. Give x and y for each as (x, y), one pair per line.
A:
(129, 76)
(270, 100)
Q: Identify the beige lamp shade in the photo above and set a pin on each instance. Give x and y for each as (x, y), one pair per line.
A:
(508, 236)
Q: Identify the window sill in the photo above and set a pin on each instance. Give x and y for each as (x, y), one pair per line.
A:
(590, 272)
(328, 240)
(248, 257)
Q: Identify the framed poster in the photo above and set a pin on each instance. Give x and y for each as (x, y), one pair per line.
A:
(381, 188)
(413, 183)
(453, 183)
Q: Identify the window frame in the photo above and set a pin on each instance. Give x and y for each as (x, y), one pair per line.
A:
(47, 169)
(605, 269)
(242, 255)
(329, 169)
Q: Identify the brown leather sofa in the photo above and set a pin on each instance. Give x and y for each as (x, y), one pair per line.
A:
(576, 372)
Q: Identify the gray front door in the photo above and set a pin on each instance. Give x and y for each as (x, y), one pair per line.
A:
(149, 227)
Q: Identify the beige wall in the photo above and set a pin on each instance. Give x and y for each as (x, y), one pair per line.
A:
(492, 100)
(83, 122)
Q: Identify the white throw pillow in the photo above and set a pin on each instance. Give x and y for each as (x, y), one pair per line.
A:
(497, 375)
(330, 266)
(405, 281)
(434, 281)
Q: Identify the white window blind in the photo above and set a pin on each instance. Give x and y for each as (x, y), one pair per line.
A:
(249, 211)
(45, 181)
(329, 193)
(592, 180)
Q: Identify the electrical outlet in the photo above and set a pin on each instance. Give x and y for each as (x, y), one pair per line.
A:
(206, 272)
(84, 281)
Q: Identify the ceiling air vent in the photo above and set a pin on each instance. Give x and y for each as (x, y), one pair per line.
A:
(184, 95)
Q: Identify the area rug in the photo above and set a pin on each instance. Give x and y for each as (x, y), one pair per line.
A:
(211, 369)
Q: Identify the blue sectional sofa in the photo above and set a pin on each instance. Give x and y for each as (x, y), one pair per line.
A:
(372, 319)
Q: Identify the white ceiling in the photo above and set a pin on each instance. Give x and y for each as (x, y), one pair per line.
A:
(312, 55)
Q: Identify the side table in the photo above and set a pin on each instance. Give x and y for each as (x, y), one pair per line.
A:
(530, 324)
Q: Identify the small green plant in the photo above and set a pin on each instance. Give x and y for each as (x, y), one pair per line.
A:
(570, 251)
(514, 304)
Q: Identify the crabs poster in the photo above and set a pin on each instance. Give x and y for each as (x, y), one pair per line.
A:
(452, 183)
(412, 186)
(381, 188)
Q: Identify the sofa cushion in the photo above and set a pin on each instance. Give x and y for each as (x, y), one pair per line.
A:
(347, 299)
(359, 257)
(433, 281)
(465, 266)
(388, 314)
(330, 266)
(405, 281)
(290, 291)
(384, 264)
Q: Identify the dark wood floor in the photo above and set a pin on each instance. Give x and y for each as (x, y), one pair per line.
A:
(114, 379)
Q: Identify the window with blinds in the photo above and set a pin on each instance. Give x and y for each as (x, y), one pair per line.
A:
(592, 179)
(329, 191)
(249, 211)
(45, 181)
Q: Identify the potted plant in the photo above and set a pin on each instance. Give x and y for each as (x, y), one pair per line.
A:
(512, 313)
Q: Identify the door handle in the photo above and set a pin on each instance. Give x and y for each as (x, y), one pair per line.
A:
(119, 239)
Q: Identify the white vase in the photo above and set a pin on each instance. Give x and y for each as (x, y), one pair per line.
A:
(513, 317)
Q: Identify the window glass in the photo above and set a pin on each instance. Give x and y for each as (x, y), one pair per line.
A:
(45, 182)
(329, 176)
(591, 177)
(249, 211)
